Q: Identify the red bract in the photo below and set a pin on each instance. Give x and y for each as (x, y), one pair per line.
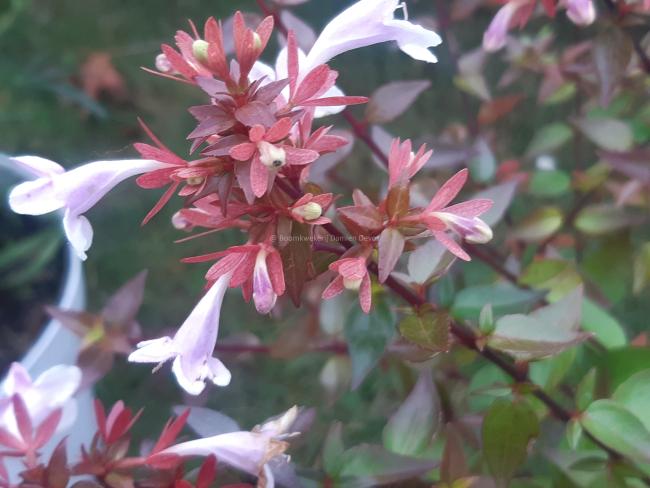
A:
(352, 275)
(206, 57)
(308, 91)
(29, 439)
(257, 268)
(403, 164)
(118, 422)
(194, 174)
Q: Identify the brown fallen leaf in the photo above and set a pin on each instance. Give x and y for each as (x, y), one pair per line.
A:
(100, 79)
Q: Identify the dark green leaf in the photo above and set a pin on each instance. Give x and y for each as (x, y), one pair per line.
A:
(507, 430)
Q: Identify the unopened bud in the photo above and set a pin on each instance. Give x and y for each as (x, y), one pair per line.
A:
(200, 50)
(309, 211)
(162, 64)
(180, 222)
(195, 180)
(257, 41)
(481, 233)
(352, 285)
(272, 156)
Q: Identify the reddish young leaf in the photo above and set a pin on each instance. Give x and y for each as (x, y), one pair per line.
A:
(46, 429)
(207, 473)
(170, 432)
(22, 419)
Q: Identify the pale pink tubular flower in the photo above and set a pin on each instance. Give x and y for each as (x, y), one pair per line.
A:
(246, 451)
(369, 22)
(581, 12)
(51, 390)
(192, 346)
(364, 23)
(75, 191)
(496, 34)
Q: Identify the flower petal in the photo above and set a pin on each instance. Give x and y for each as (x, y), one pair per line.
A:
(79, 232)
(153, 351)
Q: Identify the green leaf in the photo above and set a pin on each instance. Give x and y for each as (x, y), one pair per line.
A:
(634, 394)
(549, 138)
(504, 298)
(507, 430)
(411, 428)
(602, 218)
(545, 332)
(549, 183)
(618, 428)
(367, 336)
(608, 331)
(549, 372)
(333, 450)
(558, 276)
(540, 224)
(585, 391)
(620, 364)
(607, 133)
(573, 433)
(429, 330)
(486, 320)
(374, 466)
(642, 269)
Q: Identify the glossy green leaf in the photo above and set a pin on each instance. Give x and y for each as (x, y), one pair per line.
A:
(607, 330)
(634, 394)
(617, 427)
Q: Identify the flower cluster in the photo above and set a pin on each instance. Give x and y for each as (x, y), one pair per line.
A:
(32, 415)
(250, 158)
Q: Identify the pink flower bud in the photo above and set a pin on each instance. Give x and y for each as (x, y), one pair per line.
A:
(162, 64)
(581, 12)
(263, 294)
